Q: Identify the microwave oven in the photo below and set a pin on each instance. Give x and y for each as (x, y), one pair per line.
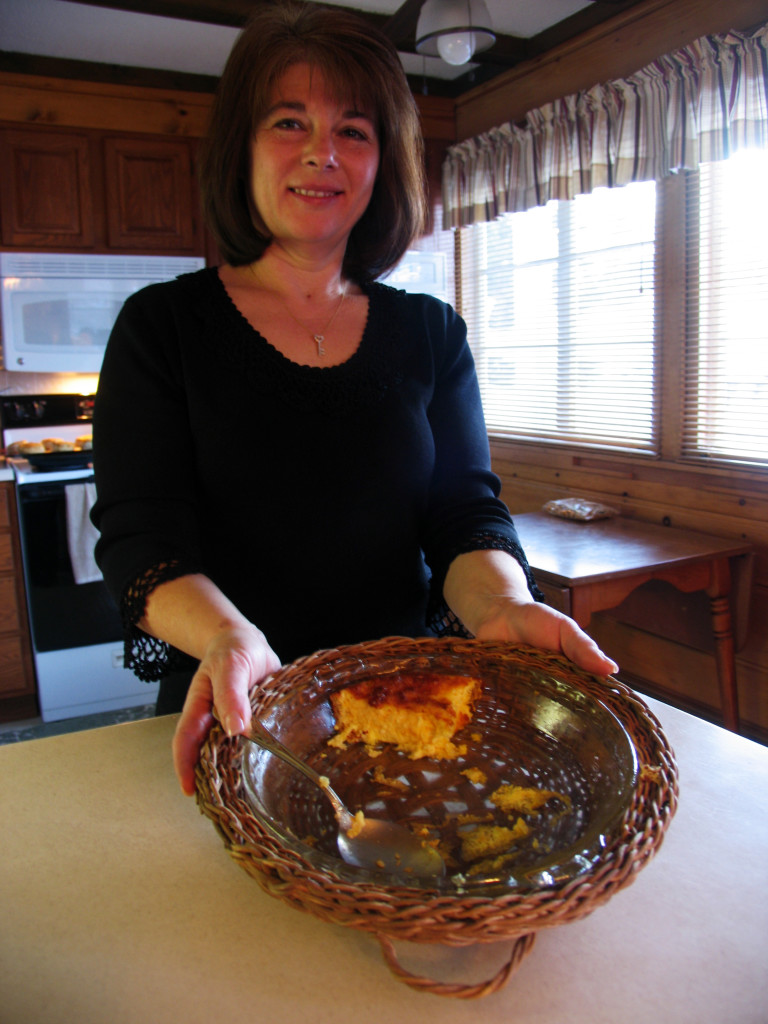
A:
(58, 308)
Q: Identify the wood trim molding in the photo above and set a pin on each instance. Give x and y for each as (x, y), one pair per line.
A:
(59, 102)
(70, 103)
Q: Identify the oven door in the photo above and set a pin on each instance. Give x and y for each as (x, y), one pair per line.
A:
(63, 614)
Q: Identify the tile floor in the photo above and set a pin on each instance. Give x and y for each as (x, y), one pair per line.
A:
(32, 729)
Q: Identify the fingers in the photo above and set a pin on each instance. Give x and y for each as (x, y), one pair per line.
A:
(579, 647)
(235, 662)
(582, 650)
(191, 730)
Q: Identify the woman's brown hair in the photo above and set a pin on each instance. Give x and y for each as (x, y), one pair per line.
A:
(360, 65)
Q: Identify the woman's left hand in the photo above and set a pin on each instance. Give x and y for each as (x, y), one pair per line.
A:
(489, 593)
(531, 622)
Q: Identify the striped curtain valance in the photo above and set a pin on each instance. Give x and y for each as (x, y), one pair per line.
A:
(696, 105)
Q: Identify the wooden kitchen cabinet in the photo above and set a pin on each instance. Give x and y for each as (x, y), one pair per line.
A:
(17, 674)
(98, 191)
(46, 193)
(149, 192)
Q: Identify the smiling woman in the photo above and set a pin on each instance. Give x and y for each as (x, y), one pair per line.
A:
(330, 480)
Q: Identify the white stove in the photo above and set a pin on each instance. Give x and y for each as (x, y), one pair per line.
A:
(74, 624)
(24, 473)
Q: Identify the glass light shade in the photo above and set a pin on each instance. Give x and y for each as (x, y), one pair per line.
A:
(456, 48)
(454, 29)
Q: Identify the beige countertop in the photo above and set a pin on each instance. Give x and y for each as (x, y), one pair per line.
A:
(119, 903)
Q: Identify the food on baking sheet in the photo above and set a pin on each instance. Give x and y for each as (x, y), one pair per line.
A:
(31, 448)
(57, 444)
(419, 713)
(48, 446)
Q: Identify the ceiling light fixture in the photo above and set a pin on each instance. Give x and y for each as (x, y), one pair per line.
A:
(454, 29)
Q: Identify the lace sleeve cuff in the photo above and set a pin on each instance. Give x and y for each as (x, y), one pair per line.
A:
(150, 659)
(441, 620)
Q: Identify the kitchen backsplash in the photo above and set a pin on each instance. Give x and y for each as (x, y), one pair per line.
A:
(47, 383)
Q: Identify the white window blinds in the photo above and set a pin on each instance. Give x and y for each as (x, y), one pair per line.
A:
(725, 414)
(560, 307)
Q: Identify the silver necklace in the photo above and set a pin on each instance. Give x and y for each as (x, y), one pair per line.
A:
(319, 339)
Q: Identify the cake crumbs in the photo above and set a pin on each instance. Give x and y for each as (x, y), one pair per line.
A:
(357, 825)
(384, 780)
(521, 800)
(491, 840)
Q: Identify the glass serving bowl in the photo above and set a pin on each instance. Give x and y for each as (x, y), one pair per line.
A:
(539, 723)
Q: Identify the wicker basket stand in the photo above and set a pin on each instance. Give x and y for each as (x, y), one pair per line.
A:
(315, 881)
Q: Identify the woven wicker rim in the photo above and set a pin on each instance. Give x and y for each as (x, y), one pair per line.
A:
(408, 912)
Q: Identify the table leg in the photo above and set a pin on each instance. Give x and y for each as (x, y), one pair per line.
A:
(725, 650)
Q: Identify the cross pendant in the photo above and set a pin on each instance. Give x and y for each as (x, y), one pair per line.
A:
(319, 339)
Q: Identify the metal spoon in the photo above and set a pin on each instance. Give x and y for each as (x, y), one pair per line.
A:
(379, 845)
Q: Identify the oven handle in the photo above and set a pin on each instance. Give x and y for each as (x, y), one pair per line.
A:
(42, 490)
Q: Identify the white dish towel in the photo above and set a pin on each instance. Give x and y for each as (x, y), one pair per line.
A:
(81, 533)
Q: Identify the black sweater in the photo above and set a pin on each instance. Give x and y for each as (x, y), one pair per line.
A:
(320, 500)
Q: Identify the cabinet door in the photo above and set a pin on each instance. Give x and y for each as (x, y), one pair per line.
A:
(45, 189)
(17, 674)
(149, 191)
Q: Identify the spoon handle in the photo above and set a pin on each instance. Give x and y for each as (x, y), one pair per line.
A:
(261, 736)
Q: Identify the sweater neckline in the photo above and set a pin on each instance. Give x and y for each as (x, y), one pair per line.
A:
(358, 358)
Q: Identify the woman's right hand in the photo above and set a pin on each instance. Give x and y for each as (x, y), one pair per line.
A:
(235, 660)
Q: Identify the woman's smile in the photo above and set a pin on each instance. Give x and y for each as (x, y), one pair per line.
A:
(311, 193)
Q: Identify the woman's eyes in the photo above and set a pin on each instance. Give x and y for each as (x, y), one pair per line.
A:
(349, 131)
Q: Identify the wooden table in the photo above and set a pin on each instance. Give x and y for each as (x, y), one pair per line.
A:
(586, 567)
(120, 904)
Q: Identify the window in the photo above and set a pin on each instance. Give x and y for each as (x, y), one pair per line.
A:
(726, 351)
(568, 310)
(559, 301)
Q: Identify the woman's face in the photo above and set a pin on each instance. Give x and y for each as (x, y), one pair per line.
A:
(313, 163)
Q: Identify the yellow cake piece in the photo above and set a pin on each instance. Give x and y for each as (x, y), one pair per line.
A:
(419, 713)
